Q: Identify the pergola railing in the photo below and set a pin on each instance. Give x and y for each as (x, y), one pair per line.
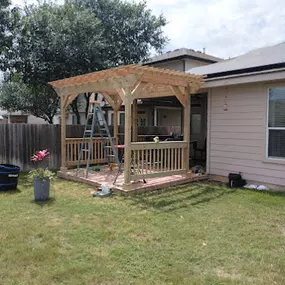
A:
(158, 159)
(125, 85)
(73, 148)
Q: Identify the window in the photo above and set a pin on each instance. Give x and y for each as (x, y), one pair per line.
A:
(112, 119)
(276, 123)
(122, 119)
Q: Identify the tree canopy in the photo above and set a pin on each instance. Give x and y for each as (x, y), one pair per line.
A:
(54, 41)
(130, 29)
(35, 100)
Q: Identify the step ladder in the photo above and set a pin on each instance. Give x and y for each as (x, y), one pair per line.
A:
(97, 119)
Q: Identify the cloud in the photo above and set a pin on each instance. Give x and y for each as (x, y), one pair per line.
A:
(226, 28)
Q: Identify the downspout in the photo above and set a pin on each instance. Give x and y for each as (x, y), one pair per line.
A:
(209, 106)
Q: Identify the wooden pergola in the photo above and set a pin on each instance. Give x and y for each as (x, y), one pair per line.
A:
(124, 85)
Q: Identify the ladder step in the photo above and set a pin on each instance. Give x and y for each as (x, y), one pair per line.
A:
(85, 149)
(108, 146)
(111, 155)
(88, 131)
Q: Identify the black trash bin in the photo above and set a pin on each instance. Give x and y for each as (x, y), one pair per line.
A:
(9, 175)
(235, 180)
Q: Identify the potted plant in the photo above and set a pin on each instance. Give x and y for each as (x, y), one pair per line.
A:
(41, 176)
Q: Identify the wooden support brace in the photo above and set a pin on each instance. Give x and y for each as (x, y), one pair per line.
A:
(179, 95)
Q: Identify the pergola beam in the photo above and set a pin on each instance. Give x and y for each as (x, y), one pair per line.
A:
(111, 83)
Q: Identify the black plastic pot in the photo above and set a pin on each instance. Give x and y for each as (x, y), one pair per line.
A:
(9, 175)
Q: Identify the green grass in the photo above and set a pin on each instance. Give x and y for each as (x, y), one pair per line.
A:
(196, 234)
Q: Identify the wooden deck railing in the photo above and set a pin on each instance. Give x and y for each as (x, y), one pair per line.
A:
(73, 149)
(152, 159)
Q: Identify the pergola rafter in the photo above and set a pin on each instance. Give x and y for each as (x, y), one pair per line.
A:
(124, 85)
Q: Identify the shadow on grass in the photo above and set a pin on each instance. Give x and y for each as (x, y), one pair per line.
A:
(48, 202)
(182, 197)
(12, 192)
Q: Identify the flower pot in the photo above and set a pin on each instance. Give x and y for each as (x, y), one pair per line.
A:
(41, 188)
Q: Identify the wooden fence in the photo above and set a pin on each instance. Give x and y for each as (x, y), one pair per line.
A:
(18, 142)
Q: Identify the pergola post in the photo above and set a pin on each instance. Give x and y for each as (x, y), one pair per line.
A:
(134, 121)
(63, 132)
(186, 129)
(128, 140)
(115, 127)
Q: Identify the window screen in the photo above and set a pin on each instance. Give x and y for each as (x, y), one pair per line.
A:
(276, 122)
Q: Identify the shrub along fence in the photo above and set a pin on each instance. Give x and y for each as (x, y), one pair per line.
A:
(18, 142)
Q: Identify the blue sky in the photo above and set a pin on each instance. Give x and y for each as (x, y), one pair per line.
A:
(226, 28)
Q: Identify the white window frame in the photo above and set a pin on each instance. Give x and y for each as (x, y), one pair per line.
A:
(271, 158)
(110, 117)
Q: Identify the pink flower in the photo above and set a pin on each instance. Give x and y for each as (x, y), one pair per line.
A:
(40, 155)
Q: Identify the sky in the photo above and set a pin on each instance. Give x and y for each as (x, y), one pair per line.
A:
(225, 28)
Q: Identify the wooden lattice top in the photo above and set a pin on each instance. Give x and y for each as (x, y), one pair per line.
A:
(143, 73)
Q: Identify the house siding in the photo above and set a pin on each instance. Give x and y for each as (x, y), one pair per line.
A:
(174, 64)
(237, 137)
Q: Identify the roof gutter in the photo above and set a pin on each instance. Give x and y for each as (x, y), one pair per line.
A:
(246, 78)
(243, 74)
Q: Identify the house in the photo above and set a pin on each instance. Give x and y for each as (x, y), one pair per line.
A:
(180, 60)
(19, 117)
(246, 116)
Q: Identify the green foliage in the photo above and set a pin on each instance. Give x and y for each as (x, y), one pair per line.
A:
(40, 173)
(52, 41)
(8, 21)
(4, 25)
(57, 41)
(39, 100)
(129, 29)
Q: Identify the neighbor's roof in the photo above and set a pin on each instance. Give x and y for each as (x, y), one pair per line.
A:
(184, 53)
(255, 60)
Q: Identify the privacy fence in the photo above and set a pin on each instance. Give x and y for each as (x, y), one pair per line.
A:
(18, 142)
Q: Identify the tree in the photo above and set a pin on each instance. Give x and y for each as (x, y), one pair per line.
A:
(53, 42)
(4, 24)
(8, 20)
(57, 41)
(129, 29)
(40, 101)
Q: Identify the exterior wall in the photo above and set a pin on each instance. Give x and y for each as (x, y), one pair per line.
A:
(237, 137)
(34, 120)
(174, 64)
(191, 63)
(169, 116)
(179, 65)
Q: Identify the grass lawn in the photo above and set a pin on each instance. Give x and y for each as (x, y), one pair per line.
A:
(195, 234)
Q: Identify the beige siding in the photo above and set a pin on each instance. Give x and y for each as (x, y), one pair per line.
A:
(174, 64)
(237, 137)
(191, 63)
